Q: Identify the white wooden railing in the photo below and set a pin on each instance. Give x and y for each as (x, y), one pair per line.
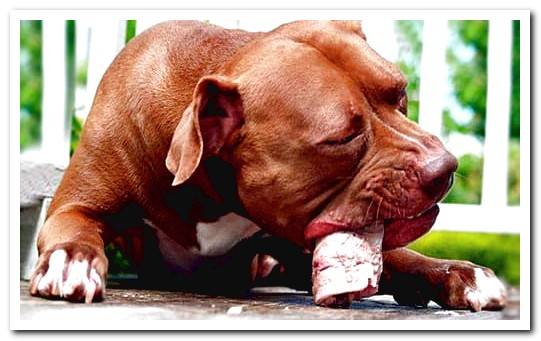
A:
(492, 215)
(55, 127)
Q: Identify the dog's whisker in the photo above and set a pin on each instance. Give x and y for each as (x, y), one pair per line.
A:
(367, 211)
(460, 175)
(377, 212)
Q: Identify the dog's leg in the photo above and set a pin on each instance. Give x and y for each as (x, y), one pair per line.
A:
(414, 279)
(72, 264)
(278, 262)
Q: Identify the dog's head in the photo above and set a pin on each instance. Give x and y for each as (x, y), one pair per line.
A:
(315, 124)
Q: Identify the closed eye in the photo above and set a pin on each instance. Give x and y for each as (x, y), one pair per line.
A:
(343, 140)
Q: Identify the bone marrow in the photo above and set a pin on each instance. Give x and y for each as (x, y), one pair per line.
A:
(347, 266)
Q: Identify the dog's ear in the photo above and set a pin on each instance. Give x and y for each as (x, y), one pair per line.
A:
(206, 125)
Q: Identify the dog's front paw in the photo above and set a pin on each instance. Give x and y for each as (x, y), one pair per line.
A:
(69, 271)
(464, 285)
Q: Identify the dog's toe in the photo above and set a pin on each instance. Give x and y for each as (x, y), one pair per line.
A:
(488, 292)
(72, 276)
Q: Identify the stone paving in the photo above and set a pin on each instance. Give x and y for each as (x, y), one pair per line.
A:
(263, 303)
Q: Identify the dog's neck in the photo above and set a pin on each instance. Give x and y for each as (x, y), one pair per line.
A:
(210, 193)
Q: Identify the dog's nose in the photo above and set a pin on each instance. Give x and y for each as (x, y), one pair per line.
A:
(437, 176)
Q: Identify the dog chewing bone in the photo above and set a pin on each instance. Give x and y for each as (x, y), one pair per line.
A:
(347, 266)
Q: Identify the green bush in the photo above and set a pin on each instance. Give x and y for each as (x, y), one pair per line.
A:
(30, 83)
(513, 174)
(468, 177)
(500, 252)
(467, 185)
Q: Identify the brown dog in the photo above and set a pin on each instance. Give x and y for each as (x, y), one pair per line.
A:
(301, 130)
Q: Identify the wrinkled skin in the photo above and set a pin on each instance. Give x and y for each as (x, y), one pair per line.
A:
(352, 156)
(302, 130)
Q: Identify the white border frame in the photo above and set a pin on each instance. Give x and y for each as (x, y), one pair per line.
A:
(285, 16)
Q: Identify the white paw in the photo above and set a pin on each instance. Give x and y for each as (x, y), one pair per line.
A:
(488, 291)
(70, 279)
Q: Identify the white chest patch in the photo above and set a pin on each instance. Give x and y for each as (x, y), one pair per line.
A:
(214, 239)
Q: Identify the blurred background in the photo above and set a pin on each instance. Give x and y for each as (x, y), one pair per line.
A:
(61, 63)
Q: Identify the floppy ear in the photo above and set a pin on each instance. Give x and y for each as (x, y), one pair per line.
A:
(206, 125)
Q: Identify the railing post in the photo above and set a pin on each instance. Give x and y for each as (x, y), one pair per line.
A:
(495, 168)
(55, 120)
(106, 38)
(433, 78)
(143, 24)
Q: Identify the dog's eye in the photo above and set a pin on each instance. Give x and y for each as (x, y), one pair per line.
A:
(354, 130)
(343, 140)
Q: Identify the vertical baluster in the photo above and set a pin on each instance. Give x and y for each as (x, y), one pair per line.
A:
(433, 79)
(55, 128)
(494, 192)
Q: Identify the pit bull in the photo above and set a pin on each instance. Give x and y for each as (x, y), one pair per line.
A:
(296, 142)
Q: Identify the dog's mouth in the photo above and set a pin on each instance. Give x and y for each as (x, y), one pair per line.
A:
(399, 231)
(347, 261)
(413, 217)
(402, 231)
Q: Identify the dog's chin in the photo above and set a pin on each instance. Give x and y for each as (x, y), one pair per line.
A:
(398, 231)
(402, 231)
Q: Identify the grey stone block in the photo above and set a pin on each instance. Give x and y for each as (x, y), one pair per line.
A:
(38, 184)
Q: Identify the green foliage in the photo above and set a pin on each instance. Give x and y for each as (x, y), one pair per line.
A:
(81, 76)
(515, 82)
(410, 47)
(71, 69)
(76, 129)
(450, 125)
(130, 30)
(467, 185)
(469, 77)
(30, 83)
(71, 78)
(500, 252)
(513, 187)
(118, 262)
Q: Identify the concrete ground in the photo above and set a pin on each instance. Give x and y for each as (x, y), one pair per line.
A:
(127, 303)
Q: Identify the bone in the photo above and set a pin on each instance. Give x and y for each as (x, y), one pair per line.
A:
(347, 266)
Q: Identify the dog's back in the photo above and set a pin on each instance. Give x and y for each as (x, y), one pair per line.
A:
(138, 105)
